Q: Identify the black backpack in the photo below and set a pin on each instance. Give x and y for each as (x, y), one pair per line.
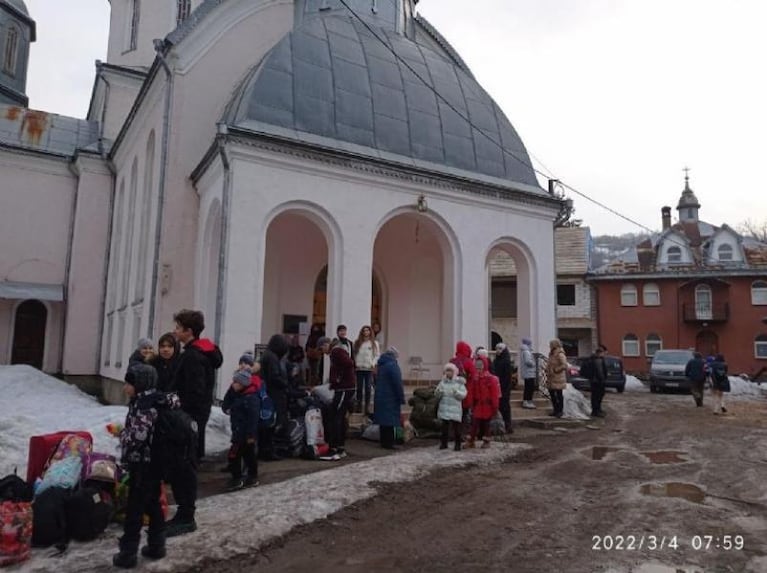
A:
(88, 513)
(13, 488)
(175, 438)
(49, 518)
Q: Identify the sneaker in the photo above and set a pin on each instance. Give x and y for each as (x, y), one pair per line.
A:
(125, 560)
(153, 551)
(529, 405)
(234, 484)
(599, 414)
(250, 482)
(341, 453)
(176, 527)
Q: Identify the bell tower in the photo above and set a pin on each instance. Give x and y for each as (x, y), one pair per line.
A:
(17, 32)
(134, 24)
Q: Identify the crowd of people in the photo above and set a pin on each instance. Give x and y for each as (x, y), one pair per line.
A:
(180, 376)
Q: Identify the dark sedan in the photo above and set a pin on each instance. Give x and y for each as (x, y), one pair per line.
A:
(616, 377)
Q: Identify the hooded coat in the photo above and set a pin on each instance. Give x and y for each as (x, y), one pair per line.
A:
(389, 394)
(195, 378)
(526, 362)
(342, 375)
(273, 370)
(166, 369)
(244, 410)
(451, 392)
(557, 369)
(502, 368)
(486, 394)
(466, 369)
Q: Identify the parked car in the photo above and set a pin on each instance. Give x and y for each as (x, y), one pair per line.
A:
(616, 377)
(667, 370)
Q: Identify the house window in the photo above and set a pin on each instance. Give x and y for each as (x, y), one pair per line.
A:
(134, 22)
(703, 302)
(628, 295)
(651, 295)
(630, 345)
(760, 346)
(674, 255)
(724, 252)
(183, 9)
(759, 293)
(652, 344)
(10, 54)
(566, 295)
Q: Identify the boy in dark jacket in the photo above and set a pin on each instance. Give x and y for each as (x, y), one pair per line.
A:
(243, 404)
(145, 466)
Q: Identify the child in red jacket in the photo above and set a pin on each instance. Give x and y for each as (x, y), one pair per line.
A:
(485, 398)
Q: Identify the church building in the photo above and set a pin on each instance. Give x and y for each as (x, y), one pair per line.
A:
(274, 163)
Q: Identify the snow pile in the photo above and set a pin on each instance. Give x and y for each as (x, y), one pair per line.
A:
(239, 523)
(745, 388)
(34, 403)
(634, 384)
(577, 406)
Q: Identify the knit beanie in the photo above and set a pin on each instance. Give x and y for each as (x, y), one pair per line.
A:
(246, 358)
(144, 343)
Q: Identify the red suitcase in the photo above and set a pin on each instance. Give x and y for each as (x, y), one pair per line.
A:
(41, 448)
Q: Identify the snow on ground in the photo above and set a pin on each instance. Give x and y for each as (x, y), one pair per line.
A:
(239, 523)
(745, 389)
(577, 406)
(634, 384)
(34, 403)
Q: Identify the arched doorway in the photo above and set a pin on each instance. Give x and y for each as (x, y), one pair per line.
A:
(707, 343)
(510, 296)
(29, 334)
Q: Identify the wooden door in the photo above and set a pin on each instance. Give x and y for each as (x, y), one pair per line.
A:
(29, 334)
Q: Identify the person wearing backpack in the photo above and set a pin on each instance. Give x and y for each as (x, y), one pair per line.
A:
(274, 374)
(695, 371)
(145, 467)
(720, 382)
(243, 404)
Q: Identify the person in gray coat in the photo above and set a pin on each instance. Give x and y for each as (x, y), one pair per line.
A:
(527, 372)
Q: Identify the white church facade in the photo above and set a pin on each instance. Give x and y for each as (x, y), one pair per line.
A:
(270, 162)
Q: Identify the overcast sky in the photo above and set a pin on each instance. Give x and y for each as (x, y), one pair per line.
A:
(614, 97)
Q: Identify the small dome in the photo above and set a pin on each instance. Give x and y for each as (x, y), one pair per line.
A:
(332, 83)
(18, 4)
(688, 198)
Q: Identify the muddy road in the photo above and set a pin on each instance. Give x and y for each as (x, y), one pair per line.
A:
(658, 485)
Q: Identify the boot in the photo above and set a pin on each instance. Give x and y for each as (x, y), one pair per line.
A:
(485, 444)
(443, 445)
(180, 525)
(125, 559)
(153, 551)
(470, 444)
(457, 447)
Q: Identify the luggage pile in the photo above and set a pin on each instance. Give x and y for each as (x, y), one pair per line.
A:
(423, 415)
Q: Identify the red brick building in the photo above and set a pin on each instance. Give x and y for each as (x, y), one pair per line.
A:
(694, 285)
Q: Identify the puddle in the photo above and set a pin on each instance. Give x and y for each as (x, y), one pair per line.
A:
(686, 491)
(599, 452)
(665, 457)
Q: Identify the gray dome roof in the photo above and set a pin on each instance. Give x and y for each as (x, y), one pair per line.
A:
(688, 198)
(19, 5)
(331, 83)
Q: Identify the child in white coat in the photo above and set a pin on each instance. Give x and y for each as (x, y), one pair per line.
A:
(451, 392)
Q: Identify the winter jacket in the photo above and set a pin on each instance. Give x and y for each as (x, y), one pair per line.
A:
(244, 410)
(466, 369)
(526, 362)
(367, 355)
(135, 358)
(503, 369)
(451, 393)
(136, 436)
(166, 369)
(486, 395)
(389, 394)
(273, 369)
(342, 375)
(195, 378)
(696, 370)
(556, 370)
(595, 369)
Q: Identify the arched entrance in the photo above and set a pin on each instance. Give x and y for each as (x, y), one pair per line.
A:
(510, 294)
(29, 334)
(707, 343)
(415, 259)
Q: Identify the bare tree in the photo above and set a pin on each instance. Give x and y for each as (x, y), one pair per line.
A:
(754, 229)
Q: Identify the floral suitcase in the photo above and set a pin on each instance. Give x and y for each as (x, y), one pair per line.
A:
(15, 532)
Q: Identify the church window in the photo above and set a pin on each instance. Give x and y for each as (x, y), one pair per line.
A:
(10, 54)
(674, 255)
(183, 9)
(725, 252)
(134, 22)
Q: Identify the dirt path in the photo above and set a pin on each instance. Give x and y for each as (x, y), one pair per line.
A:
(541, 511)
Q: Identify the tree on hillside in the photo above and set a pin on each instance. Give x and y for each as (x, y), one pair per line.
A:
(754, 229)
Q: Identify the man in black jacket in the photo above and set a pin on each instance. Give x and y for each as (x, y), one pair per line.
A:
(195, 382)
(695, 370)
(503, 369)
(275, 376)
(595, 369)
